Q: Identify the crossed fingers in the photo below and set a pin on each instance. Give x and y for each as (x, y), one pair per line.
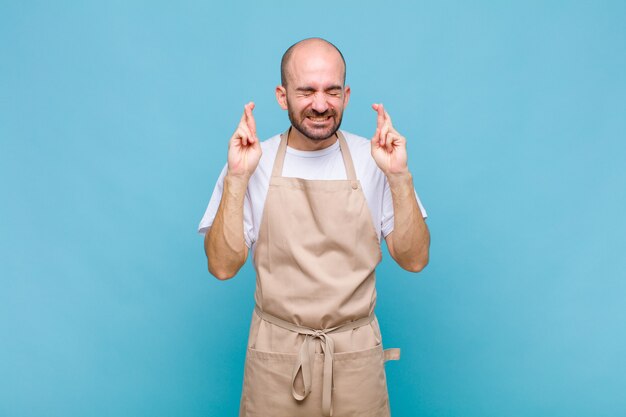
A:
(385, 133)
(246, 130)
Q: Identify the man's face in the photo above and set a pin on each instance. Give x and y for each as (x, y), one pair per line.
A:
(315, 95)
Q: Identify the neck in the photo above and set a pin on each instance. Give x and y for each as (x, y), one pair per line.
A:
(297, 140)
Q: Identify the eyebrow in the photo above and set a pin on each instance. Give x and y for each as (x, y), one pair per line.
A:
(311, 89)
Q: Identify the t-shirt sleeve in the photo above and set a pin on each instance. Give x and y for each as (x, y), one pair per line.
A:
(209, 215)
(387, 212)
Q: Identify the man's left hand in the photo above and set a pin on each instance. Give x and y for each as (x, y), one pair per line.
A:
(388, 146)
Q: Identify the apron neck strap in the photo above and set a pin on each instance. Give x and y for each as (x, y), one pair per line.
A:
(277, 171)
(347, 158)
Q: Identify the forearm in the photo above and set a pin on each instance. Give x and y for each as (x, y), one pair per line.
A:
(410, 239)
(224, 243)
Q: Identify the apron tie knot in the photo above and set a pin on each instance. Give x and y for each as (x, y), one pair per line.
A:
(319, 334)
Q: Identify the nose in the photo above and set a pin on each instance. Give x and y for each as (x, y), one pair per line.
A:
(319, 104)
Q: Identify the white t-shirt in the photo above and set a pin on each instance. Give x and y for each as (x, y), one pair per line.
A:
(325, 164)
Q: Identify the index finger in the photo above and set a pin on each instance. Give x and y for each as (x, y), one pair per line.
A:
(380, 118)
(250, 118)
(388, 118)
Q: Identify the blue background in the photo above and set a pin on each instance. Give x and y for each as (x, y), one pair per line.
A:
(114, 122)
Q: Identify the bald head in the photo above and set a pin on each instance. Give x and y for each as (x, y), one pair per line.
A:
(305, 48)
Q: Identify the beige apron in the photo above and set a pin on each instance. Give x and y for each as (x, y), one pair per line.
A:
(315, 347)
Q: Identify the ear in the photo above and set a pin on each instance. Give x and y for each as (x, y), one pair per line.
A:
(346, 96)
(281, 97)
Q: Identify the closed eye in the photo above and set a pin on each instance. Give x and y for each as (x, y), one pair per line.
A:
(335, 90)
(305, 91)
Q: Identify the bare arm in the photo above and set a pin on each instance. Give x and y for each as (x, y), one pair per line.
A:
(224, 243)
(409, 242)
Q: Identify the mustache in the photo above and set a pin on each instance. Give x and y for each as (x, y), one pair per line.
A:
(314, 113)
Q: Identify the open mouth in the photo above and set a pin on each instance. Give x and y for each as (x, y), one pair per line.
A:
(319, 119)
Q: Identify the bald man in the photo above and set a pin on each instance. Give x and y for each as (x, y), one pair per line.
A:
(312, 205)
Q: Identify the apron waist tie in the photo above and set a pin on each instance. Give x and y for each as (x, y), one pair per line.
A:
(304, 362)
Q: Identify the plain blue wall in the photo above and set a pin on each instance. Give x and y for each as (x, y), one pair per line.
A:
(114, 121)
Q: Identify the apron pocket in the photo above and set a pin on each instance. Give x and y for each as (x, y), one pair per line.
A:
(267, 386)
(360, 386)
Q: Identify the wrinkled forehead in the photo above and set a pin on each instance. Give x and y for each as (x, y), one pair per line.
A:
(319, 64)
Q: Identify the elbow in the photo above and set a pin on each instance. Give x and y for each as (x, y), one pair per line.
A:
(417, 265)
(221, 273)
(223, 269)
(418, 262)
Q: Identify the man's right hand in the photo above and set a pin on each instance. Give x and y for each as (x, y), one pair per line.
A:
(244, 149)
(224, 243)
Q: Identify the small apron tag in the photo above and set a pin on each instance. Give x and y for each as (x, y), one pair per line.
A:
(392, 354)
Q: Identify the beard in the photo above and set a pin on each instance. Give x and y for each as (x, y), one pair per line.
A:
(315, 133)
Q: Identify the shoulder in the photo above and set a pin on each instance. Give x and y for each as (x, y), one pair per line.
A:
(356, 142)
(271, 144)
(269, 148)
(361, 151)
